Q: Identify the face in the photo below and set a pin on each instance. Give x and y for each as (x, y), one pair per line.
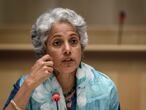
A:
(64, 47)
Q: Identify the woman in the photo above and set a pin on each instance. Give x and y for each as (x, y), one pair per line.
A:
(59, 38)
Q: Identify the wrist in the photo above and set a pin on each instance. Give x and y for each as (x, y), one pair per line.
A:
(29, 84)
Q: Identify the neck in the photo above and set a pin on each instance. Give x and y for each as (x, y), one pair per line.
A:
(67, 81)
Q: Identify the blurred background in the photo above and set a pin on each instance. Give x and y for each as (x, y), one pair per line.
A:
(117, 42)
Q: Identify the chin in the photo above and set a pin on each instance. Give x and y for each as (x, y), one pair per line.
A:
(68, 70)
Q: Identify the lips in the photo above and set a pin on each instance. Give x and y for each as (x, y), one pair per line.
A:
(67, 60)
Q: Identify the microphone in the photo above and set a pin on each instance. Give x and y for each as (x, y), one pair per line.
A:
(56, 98)
(122, 16)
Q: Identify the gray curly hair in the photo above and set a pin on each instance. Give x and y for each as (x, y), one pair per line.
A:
(41, 28)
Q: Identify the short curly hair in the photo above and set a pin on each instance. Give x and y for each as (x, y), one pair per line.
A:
(44, 23)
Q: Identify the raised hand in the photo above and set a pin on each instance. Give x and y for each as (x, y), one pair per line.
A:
(40, 71)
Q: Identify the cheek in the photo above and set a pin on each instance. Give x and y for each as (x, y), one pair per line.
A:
(54, 53)
(78, 51)
(77, 54)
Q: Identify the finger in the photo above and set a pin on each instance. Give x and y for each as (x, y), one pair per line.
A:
(49, 63)
(46, 57)
(49, 69)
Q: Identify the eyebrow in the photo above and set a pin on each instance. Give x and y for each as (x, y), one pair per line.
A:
(54, 36)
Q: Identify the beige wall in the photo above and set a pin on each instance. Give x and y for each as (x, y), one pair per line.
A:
(96, 12)
(124, 62)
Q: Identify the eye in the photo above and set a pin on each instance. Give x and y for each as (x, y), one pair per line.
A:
(57, 42)
(74, 41)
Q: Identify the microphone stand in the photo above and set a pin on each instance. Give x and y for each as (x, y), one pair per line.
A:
(56, 98)
(57, 105)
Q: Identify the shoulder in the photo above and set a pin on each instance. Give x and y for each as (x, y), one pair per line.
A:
(98, 75)
(97, 86)
(99, 79)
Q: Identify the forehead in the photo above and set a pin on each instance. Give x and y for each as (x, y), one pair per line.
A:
(62, 27)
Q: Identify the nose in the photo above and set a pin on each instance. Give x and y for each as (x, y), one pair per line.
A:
(67, 49)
